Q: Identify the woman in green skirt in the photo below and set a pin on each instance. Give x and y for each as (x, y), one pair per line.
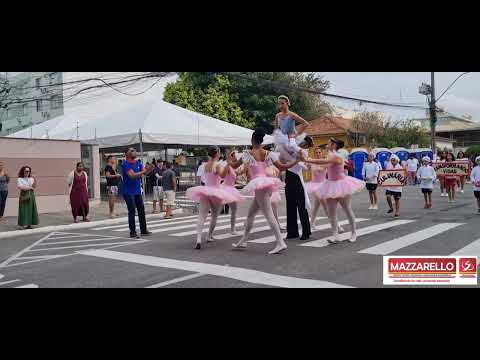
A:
(27, 208)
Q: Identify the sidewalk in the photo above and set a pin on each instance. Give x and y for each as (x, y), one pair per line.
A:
(63, 221)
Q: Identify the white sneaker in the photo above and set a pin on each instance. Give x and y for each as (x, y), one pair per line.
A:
(461, 191)
(371, 207)
(375, 207)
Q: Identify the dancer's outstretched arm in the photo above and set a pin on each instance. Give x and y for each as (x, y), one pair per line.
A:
(284, 167)
(335, 160)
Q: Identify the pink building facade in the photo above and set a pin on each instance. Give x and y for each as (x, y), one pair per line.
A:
(51, 162)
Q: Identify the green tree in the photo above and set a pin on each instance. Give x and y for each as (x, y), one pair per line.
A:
(209, 97)
(473, 151)
(247, 99)
(381, 131)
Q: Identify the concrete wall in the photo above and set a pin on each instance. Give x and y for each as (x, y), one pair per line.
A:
(51, 162)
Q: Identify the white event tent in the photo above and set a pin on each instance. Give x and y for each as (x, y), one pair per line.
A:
(118, 121)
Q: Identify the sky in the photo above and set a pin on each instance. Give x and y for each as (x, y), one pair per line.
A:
(402, 87)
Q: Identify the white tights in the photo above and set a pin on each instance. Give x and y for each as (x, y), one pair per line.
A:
(316, 207)
(346, 204)
(205, 207)
(233, 216)
(263, 203)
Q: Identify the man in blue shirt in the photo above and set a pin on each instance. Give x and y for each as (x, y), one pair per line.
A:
(133, 171)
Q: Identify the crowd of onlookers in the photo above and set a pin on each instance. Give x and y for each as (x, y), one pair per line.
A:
(125, 179)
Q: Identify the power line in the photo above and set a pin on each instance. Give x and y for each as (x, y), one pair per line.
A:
(448, 88)
(323, 93)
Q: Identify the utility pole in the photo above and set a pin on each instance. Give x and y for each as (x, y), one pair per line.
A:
(433, 112)
(426, 89)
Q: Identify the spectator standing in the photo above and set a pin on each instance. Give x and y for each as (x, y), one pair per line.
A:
(169, 184)
(157, 186)
(133, 171)
(4, 180)
(27, 207)
(113, 180)
(78, 190)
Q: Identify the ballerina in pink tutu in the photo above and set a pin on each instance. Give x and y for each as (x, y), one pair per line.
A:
(213, 195)
(276, 198)
(229, 181)
(319, 175)
(337, 189)
(262, 187)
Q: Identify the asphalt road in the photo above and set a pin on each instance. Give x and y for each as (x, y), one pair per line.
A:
(105, 257)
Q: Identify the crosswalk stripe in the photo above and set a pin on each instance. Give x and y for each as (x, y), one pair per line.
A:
(191, 224)
(254, 230)
(28, 286)
(83, 246)
(236, 273)
(166, 221)
(472, 249)
(8, 282)
(360, 232)
(271, 238)
(77, 241)
(223, 227)
(410, 239)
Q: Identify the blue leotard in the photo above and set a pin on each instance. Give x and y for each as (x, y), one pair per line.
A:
(287, 125)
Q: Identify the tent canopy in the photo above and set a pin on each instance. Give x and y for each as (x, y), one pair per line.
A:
(118, 123)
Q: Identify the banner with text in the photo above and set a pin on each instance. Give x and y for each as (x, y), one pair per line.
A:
(392, 178)
(428, 270)
(453, 168)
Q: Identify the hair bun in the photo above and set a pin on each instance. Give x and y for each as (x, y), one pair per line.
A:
(259, 135)
(213, 151)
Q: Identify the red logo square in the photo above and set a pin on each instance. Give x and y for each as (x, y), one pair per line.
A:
(468, 265)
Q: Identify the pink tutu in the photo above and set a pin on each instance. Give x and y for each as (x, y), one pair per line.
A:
(263, 183)
(219, 194)
(334, 189)
(275, 198)
(312, 187)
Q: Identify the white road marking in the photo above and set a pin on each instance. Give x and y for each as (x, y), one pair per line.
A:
(410, 239)
(163, 224)
(271, 238)
(162, 221)
(191, 225)
(472, 249)
(41, 246)
(241, 274)
(363, 231)
(68, 227)
(83, 246)
(8, 282)
(14, 257)
(254, 230)
(28, 286)
(223, 227)
(175, 281)
(78, 241)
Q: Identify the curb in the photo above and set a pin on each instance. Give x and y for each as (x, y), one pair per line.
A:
(52, 228)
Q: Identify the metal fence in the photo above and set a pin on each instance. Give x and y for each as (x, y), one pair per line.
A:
(181, 201)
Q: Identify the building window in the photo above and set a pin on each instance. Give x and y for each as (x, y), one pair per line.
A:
(38, 82)
(56, 102)
(39, 105)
